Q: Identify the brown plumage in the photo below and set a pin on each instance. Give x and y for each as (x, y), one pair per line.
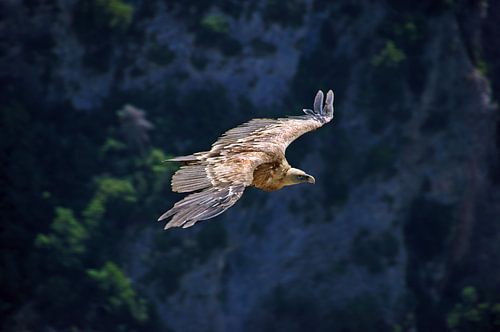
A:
(252, 154)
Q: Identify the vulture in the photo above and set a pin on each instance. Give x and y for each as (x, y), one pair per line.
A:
(252, 154)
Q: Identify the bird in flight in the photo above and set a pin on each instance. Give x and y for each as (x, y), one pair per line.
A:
(252, 154)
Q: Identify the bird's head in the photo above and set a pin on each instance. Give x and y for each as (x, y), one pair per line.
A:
(296, 176)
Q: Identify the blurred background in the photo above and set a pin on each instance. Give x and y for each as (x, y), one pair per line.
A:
(400, 233)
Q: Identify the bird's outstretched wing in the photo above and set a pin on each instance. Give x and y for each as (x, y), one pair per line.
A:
(221, 174)
(274, 135)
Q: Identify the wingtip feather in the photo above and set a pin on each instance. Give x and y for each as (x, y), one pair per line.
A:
(172, 224)
(330, 97)
(328, 109)
(308, 111)
(318, 102)
(165, 215)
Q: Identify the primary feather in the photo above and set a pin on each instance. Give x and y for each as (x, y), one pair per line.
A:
(252, 154)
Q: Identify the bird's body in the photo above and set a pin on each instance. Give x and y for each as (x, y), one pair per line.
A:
(252, 154)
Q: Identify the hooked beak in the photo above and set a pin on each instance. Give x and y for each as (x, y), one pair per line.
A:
(311, 180)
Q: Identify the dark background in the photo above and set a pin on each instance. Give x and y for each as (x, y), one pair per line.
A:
(400, 232)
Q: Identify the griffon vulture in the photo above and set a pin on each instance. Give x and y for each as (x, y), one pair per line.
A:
(252, 154)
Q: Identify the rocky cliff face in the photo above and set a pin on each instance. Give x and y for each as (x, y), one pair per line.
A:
(406, 207)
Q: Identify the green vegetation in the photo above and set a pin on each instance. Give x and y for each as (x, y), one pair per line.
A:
(215, 23)
(118, 292)
(385, 79)
(482, 66)
(120, 13)
(396, 67)
(72, 248)
(80, 196)
(402, 55)
(68, 250)
(390, 55)
(108, 189)
(67, 239)
(471, 314)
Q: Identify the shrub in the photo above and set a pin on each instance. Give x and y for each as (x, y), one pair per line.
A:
(120, 297)
(120, 13)
(390, 55)
(66, 239)
(216, 23)
(470, 314)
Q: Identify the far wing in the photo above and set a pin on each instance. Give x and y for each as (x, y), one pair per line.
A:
(274, 135)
